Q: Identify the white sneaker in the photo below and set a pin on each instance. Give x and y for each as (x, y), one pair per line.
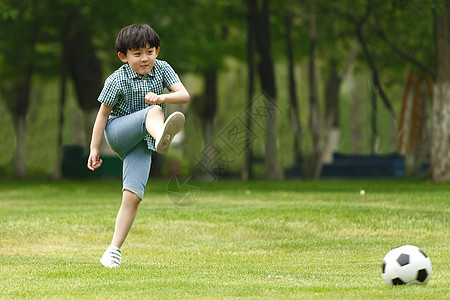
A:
(172, 126)
(111, 258)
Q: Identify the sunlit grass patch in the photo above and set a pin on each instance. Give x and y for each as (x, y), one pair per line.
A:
(273, 240)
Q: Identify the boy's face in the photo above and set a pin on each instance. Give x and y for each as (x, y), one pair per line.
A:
(140, 60)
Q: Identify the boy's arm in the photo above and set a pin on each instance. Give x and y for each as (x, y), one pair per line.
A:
(179, 95)
(94, 161)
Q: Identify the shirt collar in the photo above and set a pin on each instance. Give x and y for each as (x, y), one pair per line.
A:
(133, 75)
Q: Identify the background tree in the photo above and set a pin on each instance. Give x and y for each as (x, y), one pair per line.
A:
(294, 112)
(78, 62)
(211, 38)
(395, 39)
(18, 39)
(259, 20)
(440, 120)
(327, 47)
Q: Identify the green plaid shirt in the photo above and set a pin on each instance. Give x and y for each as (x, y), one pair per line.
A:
(125, 90)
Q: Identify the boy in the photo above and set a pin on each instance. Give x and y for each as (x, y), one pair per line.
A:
(131, 116)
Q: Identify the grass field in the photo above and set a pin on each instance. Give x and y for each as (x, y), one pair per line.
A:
(255, 240)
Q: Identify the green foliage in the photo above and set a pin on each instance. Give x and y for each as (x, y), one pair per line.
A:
(268, 240)
(201, 35)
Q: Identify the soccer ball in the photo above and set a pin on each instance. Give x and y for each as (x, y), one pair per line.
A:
(406, 265)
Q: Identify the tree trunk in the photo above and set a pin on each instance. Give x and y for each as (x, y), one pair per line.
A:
(357, 114)
(18, 86)
(85, 69)
(440, 119)
(370, 61)
(18, 106)
(247, 172)
(267, 77)
(293, 105)
(20, 153)
(62, 98)
(207, 115)
(332, 113)
(312, 169)
(205, 107)
(374, 135)
(332, 130)
(332, 97)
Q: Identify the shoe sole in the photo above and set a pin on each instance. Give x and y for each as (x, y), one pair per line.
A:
(173, 125)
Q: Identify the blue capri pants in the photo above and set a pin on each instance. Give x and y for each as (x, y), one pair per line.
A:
(125, 135)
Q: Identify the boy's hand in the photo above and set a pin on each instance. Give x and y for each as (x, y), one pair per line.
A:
(152, 98)
(94, 160)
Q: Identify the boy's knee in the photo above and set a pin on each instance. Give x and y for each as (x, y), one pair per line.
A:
(155, 109)
(132, 196)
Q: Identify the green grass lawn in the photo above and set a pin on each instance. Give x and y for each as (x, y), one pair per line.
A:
(257, 240)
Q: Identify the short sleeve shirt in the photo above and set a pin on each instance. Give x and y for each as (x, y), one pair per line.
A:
(125, 90)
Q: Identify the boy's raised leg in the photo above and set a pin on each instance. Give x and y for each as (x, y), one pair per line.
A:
(172, 126)
(163, 132)
(154, 121)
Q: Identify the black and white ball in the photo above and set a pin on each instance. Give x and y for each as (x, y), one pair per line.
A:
(406, 265)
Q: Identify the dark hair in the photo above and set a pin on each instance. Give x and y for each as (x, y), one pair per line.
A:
(136, 36)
